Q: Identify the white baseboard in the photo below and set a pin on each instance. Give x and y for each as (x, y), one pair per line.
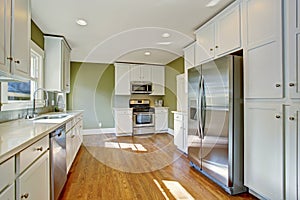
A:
(170, 131)
(98, 131)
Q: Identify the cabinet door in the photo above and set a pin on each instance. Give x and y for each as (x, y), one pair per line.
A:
(205, 44)
(189, 56)
(5, 11)
(228, 32)
(122, 79)
(135, 73)
(9, 193)
(178, 131)
(123, 120)
(181, 94)
(161, 119)
(146, 72)
(292, 152)
(158, 80)
(294, 45)
(69, 148)
(66, 67)
(34, 183)
(21, 35)
(263, 150)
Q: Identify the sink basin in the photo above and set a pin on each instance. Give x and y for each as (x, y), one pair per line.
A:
(54, 118)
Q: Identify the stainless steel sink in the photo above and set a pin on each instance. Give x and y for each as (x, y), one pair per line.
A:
(51, 118)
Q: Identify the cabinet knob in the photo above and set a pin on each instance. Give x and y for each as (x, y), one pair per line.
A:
(9, 58)
(291, 118)
(25, 196)
(17, 62)
(211, 49)
(277, 85)
(292, 84)
(217, 46)
(39, 149)
(277, 116)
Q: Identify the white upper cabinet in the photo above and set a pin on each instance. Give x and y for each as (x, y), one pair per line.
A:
(189, 56)
(15, 33)
(122, 79)
(158, 80)
(57, 64)
(263, 74)
(140, 73)
(219, 36)
(293, 46)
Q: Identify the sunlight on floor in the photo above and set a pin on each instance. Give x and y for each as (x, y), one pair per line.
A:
(175, 188)
(117, 145)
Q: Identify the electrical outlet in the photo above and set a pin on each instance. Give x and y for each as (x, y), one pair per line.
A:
(100, 124)
(52, 103)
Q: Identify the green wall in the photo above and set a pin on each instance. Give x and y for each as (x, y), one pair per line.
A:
(37, 35)
(173, 69)
(92, 90)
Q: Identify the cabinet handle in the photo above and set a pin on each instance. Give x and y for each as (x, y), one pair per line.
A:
(9, 58)
(39, 149)
(72, 136)
(25, 196)
(277, 116)
(217, 46)
(277, 85)
(291, 118)
(292, 84)
(17, 62)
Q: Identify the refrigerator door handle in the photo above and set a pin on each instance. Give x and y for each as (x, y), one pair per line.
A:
(203, 107)
(199, 107)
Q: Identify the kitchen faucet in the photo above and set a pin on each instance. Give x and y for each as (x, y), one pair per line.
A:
(34, 113)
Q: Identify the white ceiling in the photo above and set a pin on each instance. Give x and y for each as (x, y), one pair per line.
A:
(122, 30)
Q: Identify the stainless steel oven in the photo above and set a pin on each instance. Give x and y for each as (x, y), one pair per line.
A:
(143, 116)
(143, 119)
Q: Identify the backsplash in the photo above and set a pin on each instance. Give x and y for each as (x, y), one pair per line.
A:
(21, 113)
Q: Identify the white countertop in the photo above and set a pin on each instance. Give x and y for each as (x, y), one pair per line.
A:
(16, 135)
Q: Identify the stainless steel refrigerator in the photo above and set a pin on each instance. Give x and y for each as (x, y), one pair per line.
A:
(215, 125)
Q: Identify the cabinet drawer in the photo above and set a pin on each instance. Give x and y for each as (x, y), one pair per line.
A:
(32, 152)
(7, 173)
(161, 110)
(124, 112)
(178, 117)
(69, 124)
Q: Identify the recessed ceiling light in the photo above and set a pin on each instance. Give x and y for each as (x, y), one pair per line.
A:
(212, 3)
(147, 53)
(81, 22)
(164, 43)
(165, 35)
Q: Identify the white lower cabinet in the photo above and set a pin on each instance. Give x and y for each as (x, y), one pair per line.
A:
(34, 182)
(7, 174)
(161, 119)
(123, 121)
(264, 149)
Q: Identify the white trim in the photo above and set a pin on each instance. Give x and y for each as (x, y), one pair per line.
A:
(98, 131)
(170, 131)
(37, 49)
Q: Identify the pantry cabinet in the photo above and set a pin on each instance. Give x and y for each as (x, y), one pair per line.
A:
(219, 36)
(15, 34)
(57, 64)
(263, 71)
(158, 79)
(161, 119)
(123, 121)
(264, 149)
(122, 78)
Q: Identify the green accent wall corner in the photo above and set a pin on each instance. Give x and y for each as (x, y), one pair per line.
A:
(37, 35)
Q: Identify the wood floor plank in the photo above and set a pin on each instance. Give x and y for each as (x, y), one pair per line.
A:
(101, 171)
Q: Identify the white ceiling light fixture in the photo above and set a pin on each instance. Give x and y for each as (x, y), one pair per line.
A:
(212, 3)
(81, 22)
(165, 35)
(164, 43)
(147, 53)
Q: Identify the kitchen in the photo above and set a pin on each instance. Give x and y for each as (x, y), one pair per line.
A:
(267, 32)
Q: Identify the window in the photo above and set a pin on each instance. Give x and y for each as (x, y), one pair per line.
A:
(18, 95)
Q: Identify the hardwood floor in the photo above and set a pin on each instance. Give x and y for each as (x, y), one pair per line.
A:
(141, 167)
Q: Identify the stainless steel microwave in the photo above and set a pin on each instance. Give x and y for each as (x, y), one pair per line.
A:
(141, 87)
